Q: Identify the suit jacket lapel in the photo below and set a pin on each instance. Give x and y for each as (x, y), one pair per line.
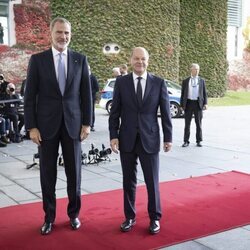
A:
(187, 87)
(131, 88)
(149, 84)
(51, 68)
(70, 73)
(200, 87)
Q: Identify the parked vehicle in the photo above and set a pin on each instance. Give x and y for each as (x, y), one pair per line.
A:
(174, 91)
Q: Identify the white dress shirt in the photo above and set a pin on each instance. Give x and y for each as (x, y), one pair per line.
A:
(143, 81)
(56, 59)
(193, 88)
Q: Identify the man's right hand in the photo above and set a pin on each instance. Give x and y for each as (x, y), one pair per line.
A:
(114, 144)
(35, 136)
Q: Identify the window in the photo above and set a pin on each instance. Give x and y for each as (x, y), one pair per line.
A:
(234, 13)
(4, 32)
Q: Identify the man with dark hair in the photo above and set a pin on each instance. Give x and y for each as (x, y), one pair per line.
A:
(58, 107)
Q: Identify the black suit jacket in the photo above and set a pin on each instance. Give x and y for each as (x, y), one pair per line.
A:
(94, 85)
(202, 98)
(127, 118)
(44, 105)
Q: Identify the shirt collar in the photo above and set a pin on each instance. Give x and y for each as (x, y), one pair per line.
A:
(56, 52)
(194, 77)
(143, 76)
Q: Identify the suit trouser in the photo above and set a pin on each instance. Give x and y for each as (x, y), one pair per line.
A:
(14, 119)
(193, 107)
(48, 153)
(93, 112)
(150, 168)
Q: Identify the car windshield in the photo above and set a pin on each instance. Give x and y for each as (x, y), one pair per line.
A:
(112, 84)
(173, 85)
(170, 84)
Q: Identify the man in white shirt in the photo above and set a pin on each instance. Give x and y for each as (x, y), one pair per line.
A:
(193, 101)
(135, 133)
(58, 110)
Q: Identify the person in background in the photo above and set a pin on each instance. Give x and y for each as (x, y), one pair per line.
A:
(3, 85)
(58, 110)
(135, 133)
(23, 86)
(116, 72)
(22, 91)
(1, 33)
(193, 102)
(3, 138)
(123, 69)
(95, 89)
(4, 123)
(10, 111)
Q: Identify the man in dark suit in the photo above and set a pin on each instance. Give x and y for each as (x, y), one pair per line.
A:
(95, 89)
(193, 101)
(58, 107)
(134, 131)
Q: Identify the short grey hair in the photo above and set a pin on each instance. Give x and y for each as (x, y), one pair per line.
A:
(116, 69)
(59, 20)
(146, 52)
(195, 65)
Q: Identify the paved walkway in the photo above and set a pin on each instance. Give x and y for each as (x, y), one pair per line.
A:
(226, 147)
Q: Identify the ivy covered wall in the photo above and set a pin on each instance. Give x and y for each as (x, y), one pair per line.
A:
(32, 18)
(150, 24)
(203, 29)
(175, 32)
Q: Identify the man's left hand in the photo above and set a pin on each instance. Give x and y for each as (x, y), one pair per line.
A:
(167, 146)
(205, 107)
(85, 131)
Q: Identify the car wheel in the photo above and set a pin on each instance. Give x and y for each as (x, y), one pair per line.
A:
(108, 106)
(175, 109)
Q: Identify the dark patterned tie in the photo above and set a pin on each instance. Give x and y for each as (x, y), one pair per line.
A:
(61, 74)
(193, 82)
(139, 91)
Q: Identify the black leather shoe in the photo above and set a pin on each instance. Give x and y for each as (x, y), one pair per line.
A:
(5, 139)
(75, 223)
(154, 227)
(199, 144)
(185, 144)
(92, 129)
(2, 144)
(127, 225)
(46, 228)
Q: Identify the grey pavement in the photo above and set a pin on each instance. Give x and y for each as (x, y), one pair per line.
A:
(226, 146)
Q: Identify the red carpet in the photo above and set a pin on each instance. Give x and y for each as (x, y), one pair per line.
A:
(192, 208)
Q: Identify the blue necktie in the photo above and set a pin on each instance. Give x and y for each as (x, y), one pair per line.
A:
(139, 91)
(61, 74)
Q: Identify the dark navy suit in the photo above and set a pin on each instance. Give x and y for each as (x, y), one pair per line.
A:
(193, 107)
(59, 119)
(138, 132)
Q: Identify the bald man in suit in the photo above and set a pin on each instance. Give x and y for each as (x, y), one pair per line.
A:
(58, 108)
(135, 132)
